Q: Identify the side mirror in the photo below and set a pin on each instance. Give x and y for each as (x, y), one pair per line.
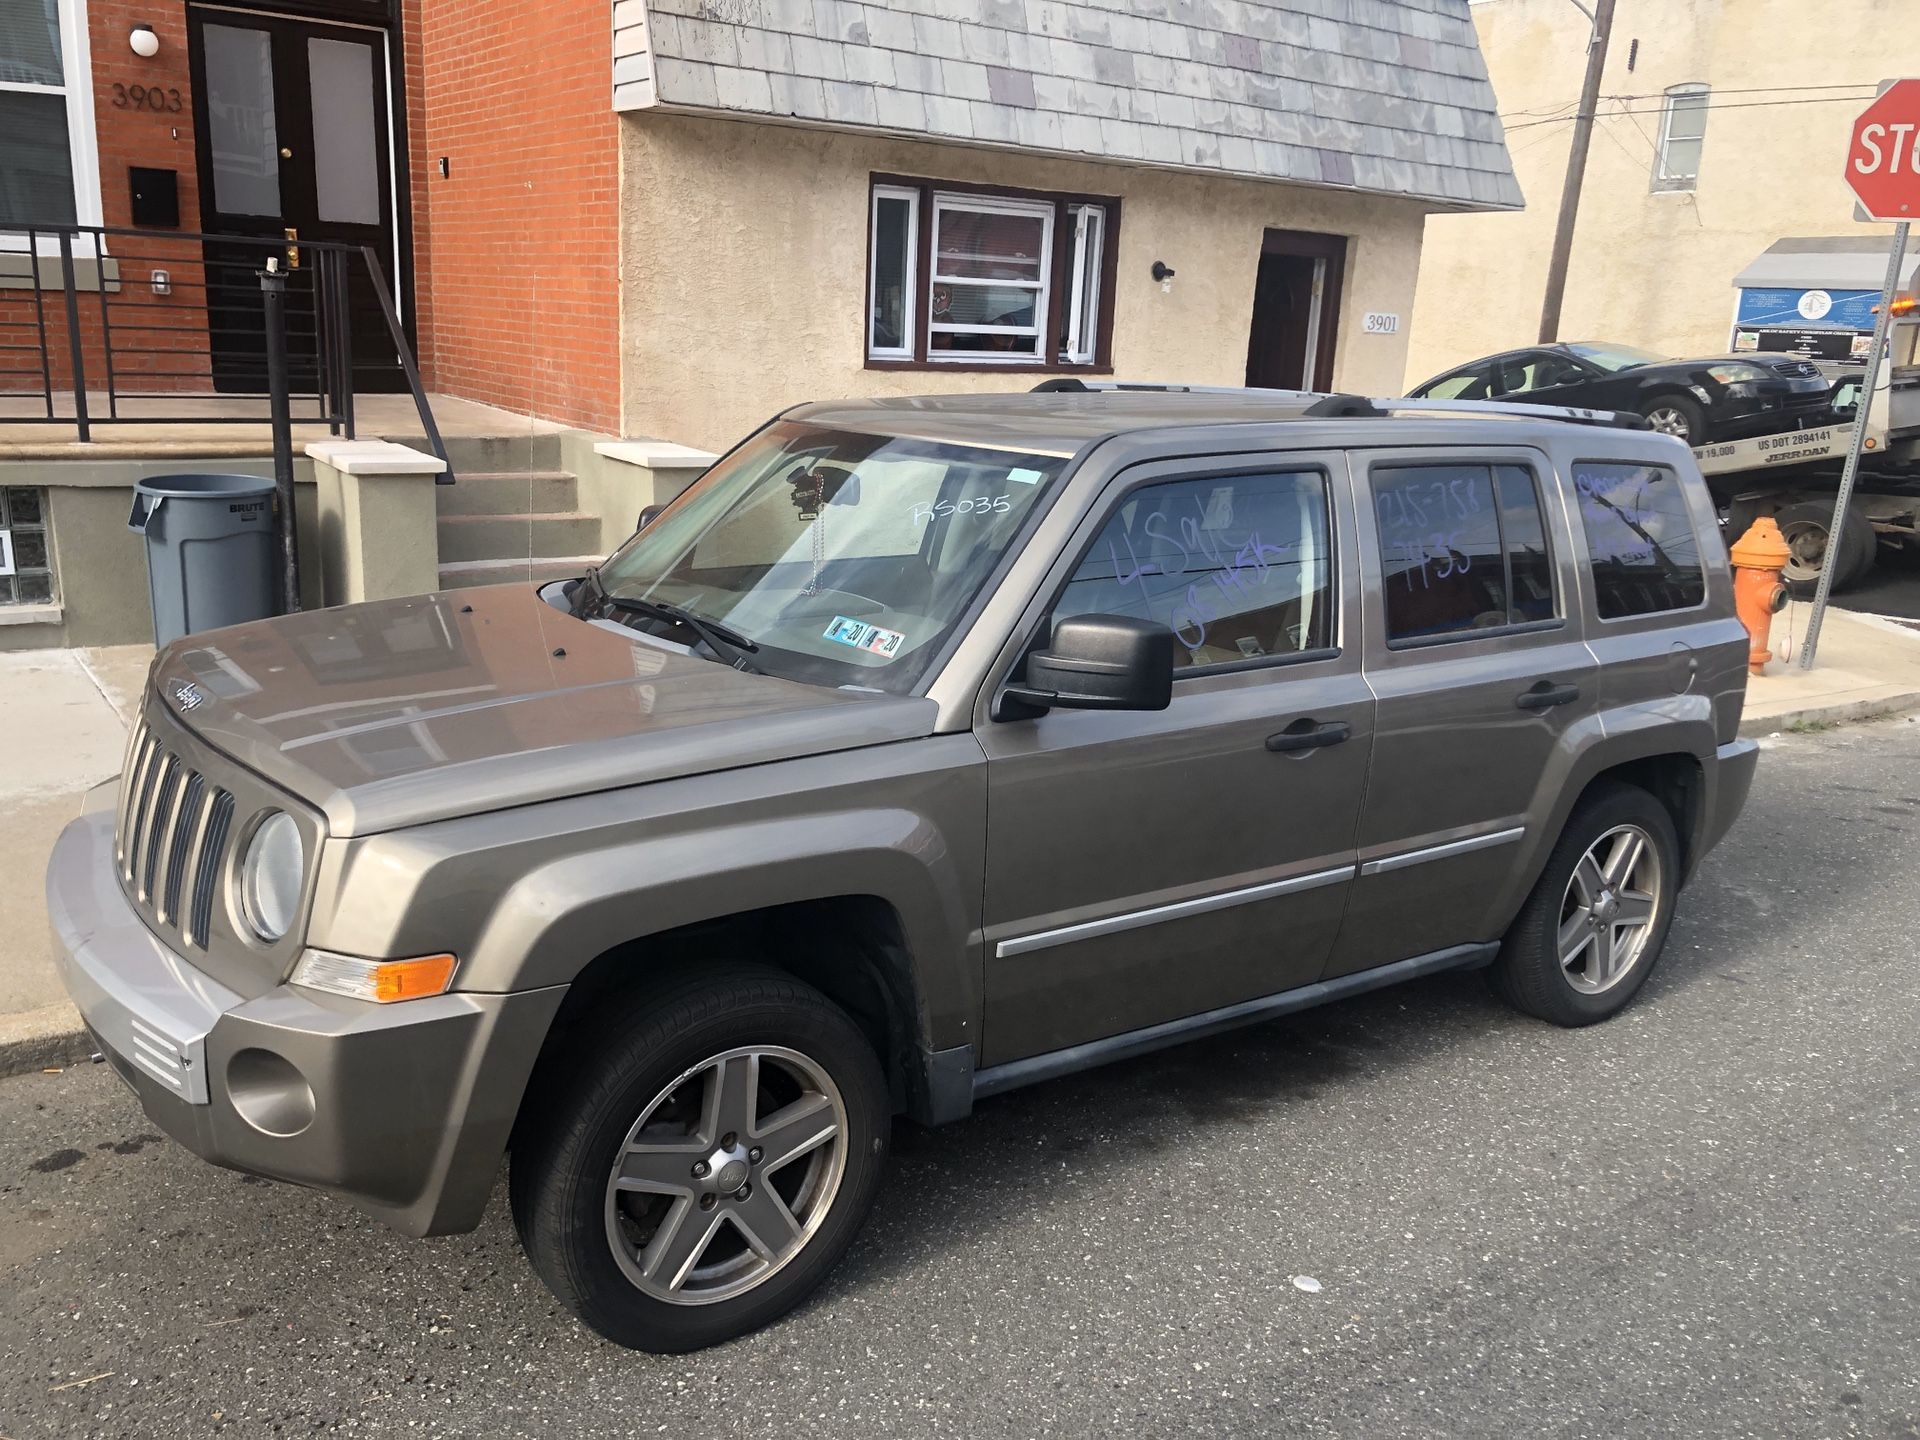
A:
(1101, 662)
(647, 517)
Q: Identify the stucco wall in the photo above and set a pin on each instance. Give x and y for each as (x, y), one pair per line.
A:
(1656, 269)
(745, 251)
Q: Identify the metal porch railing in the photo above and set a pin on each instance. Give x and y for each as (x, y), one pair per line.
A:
(105, 325)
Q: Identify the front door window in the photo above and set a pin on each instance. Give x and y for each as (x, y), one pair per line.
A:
(241, 135)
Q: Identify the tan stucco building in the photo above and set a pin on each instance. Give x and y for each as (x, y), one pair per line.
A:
(780, 211)
(1720, 131)
(830, 199)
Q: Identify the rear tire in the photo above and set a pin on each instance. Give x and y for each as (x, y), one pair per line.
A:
(661, 1236)
(1679, 416)
(1805, 526)
(1575, 954)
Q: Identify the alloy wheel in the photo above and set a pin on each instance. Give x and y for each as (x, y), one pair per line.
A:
(1607, 914)
(1669, 421)
(727, 1174)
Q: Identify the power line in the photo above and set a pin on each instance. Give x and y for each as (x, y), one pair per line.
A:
(1736, 105)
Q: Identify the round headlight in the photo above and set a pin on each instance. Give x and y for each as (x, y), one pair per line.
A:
(270, 876)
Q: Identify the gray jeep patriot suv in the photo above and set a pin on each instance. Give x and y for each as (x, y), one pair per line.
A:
(923, 749)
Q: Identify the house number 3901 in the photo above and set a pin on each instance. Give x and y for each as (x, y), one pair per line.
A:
(146, 97)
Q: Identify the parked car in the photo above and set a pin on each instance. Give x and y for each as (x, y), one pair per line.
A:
(1723, 397)
(922, 750)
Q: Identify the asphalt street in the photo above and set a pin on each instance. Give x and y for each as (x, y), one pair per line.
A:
(1891, 588)
(1410, 1214)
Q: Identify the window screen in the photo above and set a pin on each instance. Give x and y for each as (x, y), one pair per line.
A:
(1462, 548)
(1237, 566)
(1640, 539)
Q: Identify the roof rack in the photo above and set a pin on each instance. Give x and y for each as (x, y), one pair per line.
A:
(1356, 405)
(1073, 385)
(1339, 406)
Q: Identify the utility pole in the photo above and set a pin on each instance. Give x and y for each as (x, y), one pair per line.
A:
(1602, 19)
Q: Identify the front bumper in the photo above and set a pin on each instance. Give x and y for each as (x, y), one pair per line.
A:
(402, 1109)
(1764, 406)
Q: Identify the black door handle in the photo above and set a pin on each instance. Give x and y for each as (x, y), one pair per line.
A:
(1545, 695)
(1306, 735)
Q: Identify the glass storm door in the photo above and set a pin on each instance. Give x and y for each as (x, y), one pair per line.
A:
(293, 136)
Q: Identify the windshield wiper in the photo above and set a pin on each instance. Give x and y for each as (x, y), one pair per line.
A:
(720, 638)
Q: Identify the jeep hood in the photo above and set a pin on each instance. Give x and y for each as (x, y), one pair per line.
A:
(399, 712)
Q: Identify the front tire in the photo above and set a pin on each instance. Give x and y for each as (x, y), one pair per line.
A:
(1679, 416)
(1592, 929)
(703, 1162)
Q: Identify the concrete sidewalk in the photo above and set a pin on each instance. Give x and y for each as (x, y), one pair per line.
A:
(1864, 666)
(63, 725)
(63, 729)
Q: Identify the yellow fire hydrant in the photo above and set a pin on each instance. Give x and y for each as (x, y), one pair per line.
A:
(1759, 559)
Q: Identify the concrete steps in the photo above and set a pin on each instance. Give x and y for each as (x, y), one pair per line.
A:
(458, 574)
(492, 454)
(516, 537)
(536, 492)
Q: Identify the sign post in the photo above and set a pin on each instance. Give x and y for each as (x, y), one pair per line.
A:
(1883, 169)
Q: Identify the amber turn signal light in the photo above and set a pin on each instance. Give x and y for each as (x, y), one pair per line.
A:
(381, 981)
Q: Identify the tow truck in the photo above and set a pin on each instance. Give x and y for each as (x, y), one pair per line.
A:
(1795, 475)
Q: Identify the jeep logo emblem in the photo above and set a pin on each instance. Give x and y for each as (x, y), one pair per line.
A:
(187, 696)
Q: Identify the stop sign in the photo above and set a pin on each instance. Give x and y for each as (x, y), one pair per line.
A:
(1883, 158)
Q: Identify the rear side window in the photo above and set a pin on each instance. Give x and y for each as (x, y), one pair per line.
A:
(1640, 539)
(1462, 548)
(1239, 567)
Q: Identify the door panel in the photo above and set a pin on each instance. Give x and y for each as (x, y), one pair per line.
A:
(1468, 753)
(1143, 867)
(293, 145)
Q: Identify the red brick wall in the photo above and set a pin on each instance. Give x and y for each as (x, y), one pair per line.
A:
(160, 342)
(516, 297)
(516, 250)
(134, 133)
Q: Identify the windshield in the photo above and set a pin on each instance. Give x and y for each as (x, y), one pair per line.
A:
(1615, 358)
(840, 558)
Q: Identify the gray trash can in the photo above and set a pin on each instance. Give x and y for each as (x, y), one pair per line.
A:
(210, 550)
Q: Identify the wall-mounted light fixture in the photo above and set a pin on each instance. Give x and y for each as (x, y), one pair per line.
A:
(145, 43)
(1163, 272)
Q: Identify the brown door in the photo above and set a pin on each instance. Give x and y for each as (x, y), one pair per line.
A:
(293, 140)
(1296, 311)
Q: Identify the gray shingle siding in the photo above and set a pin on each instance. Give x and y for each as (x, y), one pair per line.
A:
(1380, 95)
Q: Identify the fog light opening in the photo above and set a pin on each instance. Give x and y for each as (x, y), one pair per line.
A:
(268, 1093)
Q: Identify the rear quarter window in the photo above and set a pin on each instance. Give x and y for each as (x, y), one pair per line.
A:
(1641, 545)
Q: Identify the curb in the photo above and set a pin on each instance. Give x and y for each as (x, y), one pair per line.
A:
(36, 1039)
(1834, 714)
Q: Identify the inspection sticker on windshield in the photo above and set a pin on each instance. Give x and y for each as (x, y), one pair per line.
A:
(863, 636)
(1026, 477)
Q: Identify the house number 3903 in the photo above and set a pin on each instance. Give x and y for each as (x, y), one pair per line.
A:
(146, 97)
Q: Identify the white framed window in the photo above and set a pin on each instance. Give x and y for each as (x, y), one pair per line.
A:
(49, 164)
(1683, 126)
(989, 294)
(986, 278)
(1080, 341)
(892, 272)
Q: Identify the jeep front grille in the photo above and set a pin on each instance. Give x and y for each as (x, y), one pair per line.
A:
(171, 840)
